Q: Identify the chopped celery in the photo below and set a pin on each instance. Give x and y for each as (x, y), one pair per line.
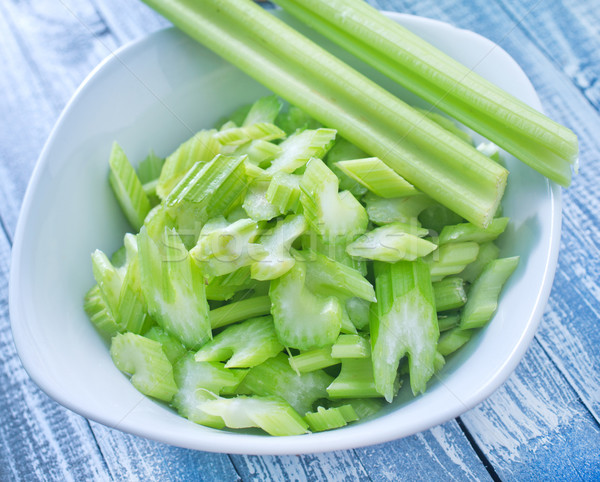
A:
(487, 252)
(256, 204)
(347, 327)
(447, 124)
(99, 313)
(452, 340)
(144, 359)
(245, 345)
(451, 259)
(355, 380)
(483, 295)
(284, 192)
(320, 316)
(449, 294)
(174, 288)
(312, 360)
(391, 243)
(128, 188)
(259, 152)
(358, 311)
(297, 149)
(295, 119)
(272, 414)
(226, 286)
(404, 322)
(351, 346)
(236, 117)
(276, 377)
(239, 311)
(343, 150)
(172, 347)
(264, 110)
(469, 232)
(149, 169)
(448, 321)
(363, 407)
(202, 147)
(330, 418)
(335, 250)
(277, 243)
(436, 216)
(236, 136)
(377, 177)
(396, 210)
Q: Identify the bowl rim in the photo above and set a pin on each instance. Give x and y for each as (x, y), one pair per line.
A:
(313, 443)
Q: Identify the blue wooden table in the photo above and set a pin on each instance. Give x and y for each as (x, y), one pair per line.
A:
(542, 423)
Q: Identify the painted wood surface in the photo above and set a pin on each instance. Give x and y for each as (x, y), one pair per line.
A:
(542, 423)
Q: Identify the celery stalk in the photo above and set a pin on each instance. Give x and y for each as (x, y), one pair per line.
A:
(330, 418)
(259, 152)
(264, 110)
(468, 232)
(448, 125)
(172, 347)
(295, 119)
(448, 321)
(312, 360)
(358, 311)
(284, 192)
(239, 311)
(396, 210)
(451, 259)
(487, 252)
(99, 313)
(449, 294)
(300, 147)
(236, 136)
(256, 204)
(351, 346)
(452, 340)
(356, 380)
(363, 407)
(150, 168)
(343, 150)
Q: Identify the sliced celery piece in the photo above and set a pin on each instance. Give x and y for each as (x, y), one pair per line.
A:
(172, 347)
(272, 414)
(335, 250)
(236, 136)
(449, 294)
(469, 232)
(404, 322)
(436, 216)
(224, 287)
(150, 369)
(392, 242)
(330, 418)
(300, 147)
(256, 204)
(377, 177)
(358, 311)
(363, 407)
(202, 147)
(264, 110)
(259, 152)
(277, 243)
(284, 192)
(119, 257)
(355, 380)
(99, 312)
(239, 311)
(150, 168)
(276, 377)
(451, 259)
(343, 150)
(294, 119)
(312, 360)
(452, 340)
(347, 326)
(351, 346)
(483, 295)
(128, 188)
(303, 319)
(109, 279)
(396, 210)
(447, 124)
(201, 381)
(132, 311)
(174, 288)
(448, 321)
(487, 252)
(244, 345)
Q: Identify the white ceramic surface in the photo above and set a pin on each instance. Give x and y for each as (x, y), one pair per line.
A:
(154, 94)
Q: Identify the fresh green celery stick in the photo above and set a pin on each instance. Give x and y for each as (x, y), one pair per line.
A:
(351, 346)
(256, 203)
(328, 419)
(363, 407)
(300, 147)
(150, 369)
(99, 312)
(277, 243)
(312, 360)
(174, 288)
(469, 232)
(451, 259)
(264, 110)
(276, 377)
(392, 242)
(272, 414)
(109, 279)
(236, 136)
(223, 248)
(358, 310)
(449, 294)
(381, 42)
(452, 340)
(284, 192)
(149, 169)
(447, 124)
(396, 210)
(347, 327)
(202, 147)
(292, 301)
(404, 322)
(201, 381)
(343, 150)
(244, 345)
(377, 177)
(128, 188)
(448, 321)
(432, 159)
(259, 152)
(295, 119)
(335, 250)
(172, 347)
(483, 295)
(150, 190)
(490, 150)
(239, 311)
(436, 216)
(119, 257)
(487, 252)
(132, 314)
(225, 287)
(254, 173)
(355, 380)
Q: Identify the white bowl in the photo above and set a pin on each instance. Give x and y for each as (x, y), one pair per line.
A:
(154, 94)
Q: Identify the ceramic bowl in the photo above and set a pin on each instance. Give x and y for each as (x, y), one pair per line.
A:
(153, 94)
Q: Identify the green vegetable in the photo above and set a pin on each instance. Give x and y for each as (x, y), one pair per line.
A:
(330, 418)
(451, 259)
(284, 192)
(452, 340)
(356, 380)
(487, 252)
(235, 136)
(351, 346)
(460, 233)
(343, 150)
(449, 294)
(396, 210)
(312, 360)
(172, 347)
(99, 313)
(264, 110)
(300, 147)
(239, 311)
(294, 119)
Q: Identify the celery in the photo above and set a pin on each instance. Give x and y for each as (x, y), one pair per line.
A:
(469, 232)
(451, 259)
(256, 203)
(452, 340)
(172, 347)
(358, 311)
(259, 152)
(239, 311)
(99, 313)
(381, 42)
(277, 244)
(487, 252)
(404, 322)
(448, 321)
(490, 150)
(363, 407)
(245, 345)
(449, 294)
(150, 168)
(355, 380)
(436, 217)
(327, 419)
(174, 288)
(272, 414)
(295, 119)
(343, 150)
(396, 210)
(448, 125)
(264, 110)
(144, 359)
(276, 377)
(334, 249)
(235, 136)
(236, 117)
(483, 295)
(224, 287)
(202, 147)
(391, 243)
(284, 192)
(377, 177)
(312, 360)
(351, 346)
(128, 188)
(300, 147)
